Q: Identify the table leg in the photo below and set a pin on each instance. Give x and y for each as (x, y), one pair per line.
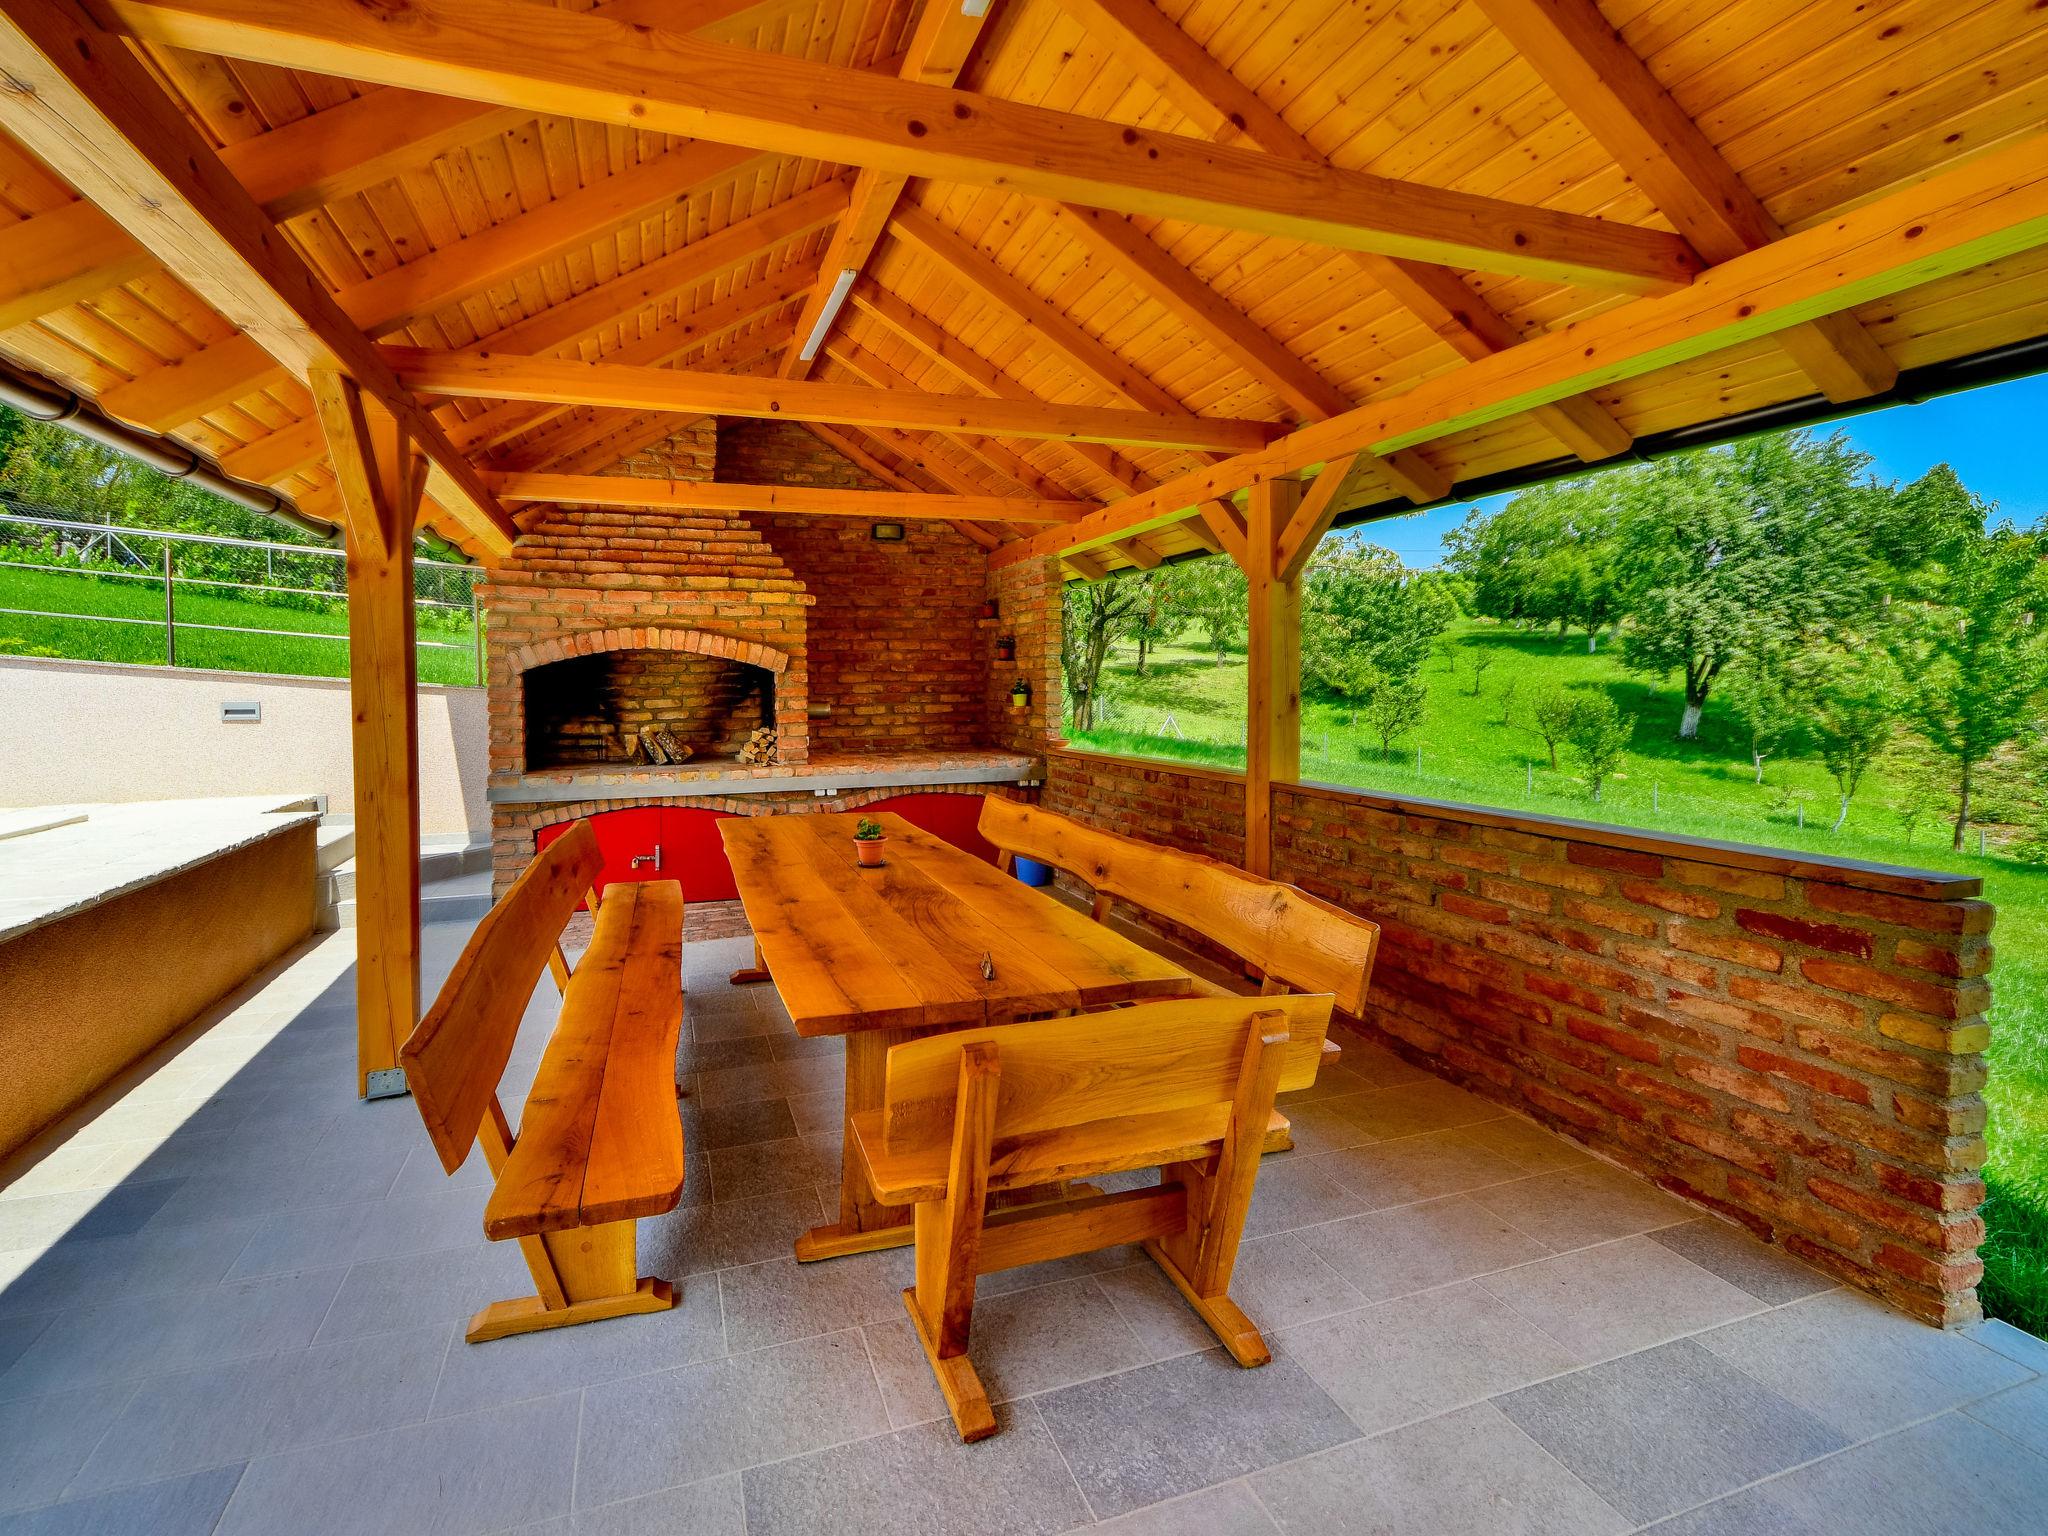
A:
(748, 975)
(864, 1224)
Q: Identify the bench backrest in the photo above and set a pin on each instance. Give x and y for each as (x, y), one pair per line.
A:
(455, 1057)
(1150, 1059)
(1300, 940)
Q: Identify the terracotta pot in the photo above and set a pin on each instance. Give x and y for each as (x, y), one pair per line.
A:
(870, 850)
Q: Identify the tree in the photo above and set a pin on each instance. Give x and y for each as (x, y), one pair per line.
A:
(1853, 710)
(1093, 614)
(1598, 735)
(1160, 617)
(1974, 649)
(1213, 596)
(1394, 706)
(1547, 557)
(1760, 691)
(1479, 658)
(1552, 719)
(1506, 696)
(1365, 618)
(1764, 543)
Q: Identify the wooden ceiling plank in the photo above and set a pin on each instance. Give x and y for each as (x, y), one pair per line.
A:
(1225, 108)
(83, 103)
(939, 49)
(550, 60)
(809, 500)
(486, 375)
(1980, 211)
(1610, 90)
(63, 255)
(1086, 567)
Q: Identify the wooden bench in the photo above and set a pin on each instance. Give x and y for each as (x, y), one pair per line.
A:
(1185, 1085)
(599, 1143)
(1295, 942)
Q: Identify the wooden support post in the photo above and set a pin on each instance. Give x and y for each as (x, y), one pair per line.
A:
(380, 474)
(1273, 718)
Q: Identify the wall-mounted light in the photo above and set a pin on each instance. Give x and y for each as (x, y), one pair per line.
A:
(828, 314)
(887, 533)
(973, 7)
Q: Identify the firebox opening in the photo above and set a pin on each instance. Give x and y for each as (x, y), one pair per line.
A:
(589, 710)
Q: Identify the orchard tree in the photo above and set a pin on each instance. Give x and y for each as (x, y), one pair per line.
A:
(1094, 614)
(1760, 691)
(1598, 735)
(1161, 616)
(1547, 557)
(1762, 543)
(1551, 718)
(1975, 648)
(1365, 618)
(1394, 706)
(1213, 595)
(1852, 704)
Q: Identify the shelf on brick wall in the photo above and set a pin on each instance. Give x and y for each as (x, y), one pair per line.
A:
(825, 773)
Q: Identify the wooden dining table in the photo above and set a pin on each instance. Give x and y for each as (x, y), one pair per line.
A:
(934, 939)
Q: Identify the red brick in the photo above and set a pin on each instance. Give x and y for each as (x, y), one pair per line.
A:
(1731, 1015)
(1758, 885)
(1791, 1210)
(1734, 1081)
(1819, 1079)
(1479, 911)
(1606, 915)
(1657, 1091)
(1967, 916)
(1627, 861)
(1729, 1149)
(1799, 930)
(1943, 959)
(1790, 1138)
(1924, 1189)
(1802, 1002)
(1724, 946)
(1684, 903)
(1620, 1041)
(1867, 981)
(1694, 973)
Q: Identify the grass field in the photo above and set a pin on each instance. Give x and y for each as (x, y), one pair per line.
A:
(1190, 708)
(318, 649)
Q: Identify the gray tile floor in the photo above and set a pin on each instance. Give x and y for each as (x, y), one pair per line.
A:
(231, 1300)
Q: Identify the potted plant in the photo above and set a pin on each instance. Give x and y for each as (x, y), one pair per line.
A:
(1006, 648)
(988, 609)
(1020, 695)
(868, 838)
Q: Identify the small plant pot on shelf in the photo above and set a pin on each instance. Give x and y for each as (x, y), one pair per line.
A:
(1006, 649)
(1020, 696)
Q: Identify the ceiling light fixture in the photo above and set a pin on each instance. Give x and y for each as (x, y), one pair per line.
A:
(828, 314)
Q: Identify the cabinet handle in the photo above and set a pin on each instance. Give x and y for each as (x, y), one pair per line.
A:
(653, 858)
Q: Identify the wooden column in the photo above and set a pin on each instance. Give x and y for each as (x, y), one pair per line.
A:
(380, 473)
(1273, 733)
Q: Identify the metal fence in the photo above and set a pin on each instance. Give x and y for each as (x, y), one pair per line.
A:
(306, 579)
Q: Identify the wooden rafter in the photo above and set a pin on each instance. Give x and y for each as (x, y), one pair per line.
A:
(1608, 88)
(812, 501)
(486, 375)
(1226, 109)
(939, 49)
(549, 60)
(85, 105)
(1985, 209)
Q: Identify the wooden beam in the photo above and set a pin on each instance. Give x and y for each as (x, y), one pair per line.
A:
(486, 375)
(938, 51)
(1327, 495)
(1225, 525)
(60, 256)
(979, 374)
(83, 104)
(1138, 553)
(380, 474)
(1226, 109)
(1609, 89)
(1273, 651)
(1198, 530)
(849, 445)
(189, 387)
(558, 61)
(1986, 209)
(1086, 567)
(811, 501)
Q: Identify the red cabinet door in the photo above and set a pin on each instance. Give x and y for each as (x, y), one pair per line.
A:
(659, 842)
(956, 818)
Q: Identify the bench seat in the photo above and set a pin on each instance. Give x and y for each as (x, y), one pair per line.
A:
(599, 1140)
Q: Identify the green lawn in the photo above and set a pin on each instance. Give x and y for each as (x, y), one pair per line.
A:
(305, 653)
(1190, 708)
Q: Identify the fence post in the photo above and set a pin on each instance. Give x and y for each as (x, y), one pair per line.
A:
(476, 630)
(170, 613)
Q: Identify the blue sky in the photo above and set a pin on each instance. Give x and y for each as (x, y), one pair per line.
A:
(1988, 435)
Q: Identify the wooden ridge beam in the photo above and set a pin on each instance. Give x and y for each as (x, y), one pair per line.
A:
(1226, 109)
(1984, 210)
(486, 375)
(811, 501)
(1609, 89)
(939, 49)
(82, 103)
(549, 60)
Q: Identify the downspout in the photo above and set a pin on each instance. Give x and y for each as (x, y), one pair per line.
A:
(41, 400)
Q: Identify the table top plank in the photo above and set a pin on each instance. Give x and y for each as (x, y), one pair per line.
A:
(851, 948)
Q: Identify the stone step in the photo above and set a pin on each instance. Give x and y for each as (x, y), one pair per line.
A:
(462, 898)
(455, 877)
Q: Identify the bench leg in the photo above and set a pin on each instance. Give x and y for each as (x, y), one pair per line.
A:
(590, 1269)
(749, 975)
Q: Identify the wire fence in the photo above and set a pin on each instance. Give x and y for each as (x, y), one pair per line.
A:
(96, 590)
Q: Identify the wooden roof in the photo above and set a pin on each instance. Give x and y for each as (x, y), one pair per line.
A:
(1550, 228)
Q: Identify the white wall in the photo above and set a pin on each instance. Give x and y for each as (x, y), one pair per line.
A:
(81, 731)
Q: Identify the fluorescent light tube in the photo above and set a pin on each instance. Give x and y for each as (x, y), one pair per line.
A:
(828, 314)
(973, 7)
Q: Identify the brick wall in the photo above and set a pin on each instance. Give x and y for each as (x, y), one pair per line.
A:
(1027, 601)
(895, 648)
(1793, 1043)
